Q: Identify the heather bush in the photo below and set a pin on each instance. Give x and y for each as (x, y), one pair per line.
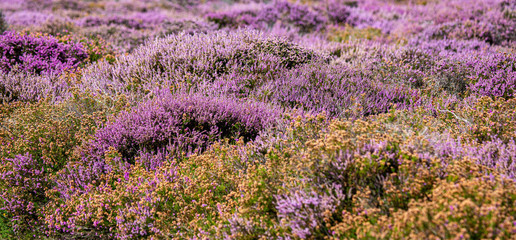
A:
(149, 137)
(462, 68)
(491, 119)
(493, 154)
(489, 21)
(31, 88)
(43, 54)
(125, 211)
(68, 5)
(336, 91)
(338, 11)
(25, 138)
(182, 124)
(189, 26)
(54, 27)
(124, 39)
(120, 38)
(178, 61)
(495, 26)
(496, 76)
(49, 131)
(95, 47)
(136, 202)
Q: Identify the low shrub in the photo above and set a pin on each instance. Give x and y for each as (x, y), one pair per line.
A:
(38, 54)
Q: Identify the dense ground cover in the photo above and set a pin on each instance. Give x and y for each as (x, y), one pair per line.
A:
(217, 119)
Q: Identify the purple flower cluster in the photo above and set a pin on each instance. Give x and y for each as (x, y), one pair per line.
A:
(45, 54)
(182, 124)
(303, 212)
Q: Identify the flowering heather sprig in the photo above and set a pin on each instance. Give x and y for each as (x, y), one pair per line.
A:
(38, 55)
